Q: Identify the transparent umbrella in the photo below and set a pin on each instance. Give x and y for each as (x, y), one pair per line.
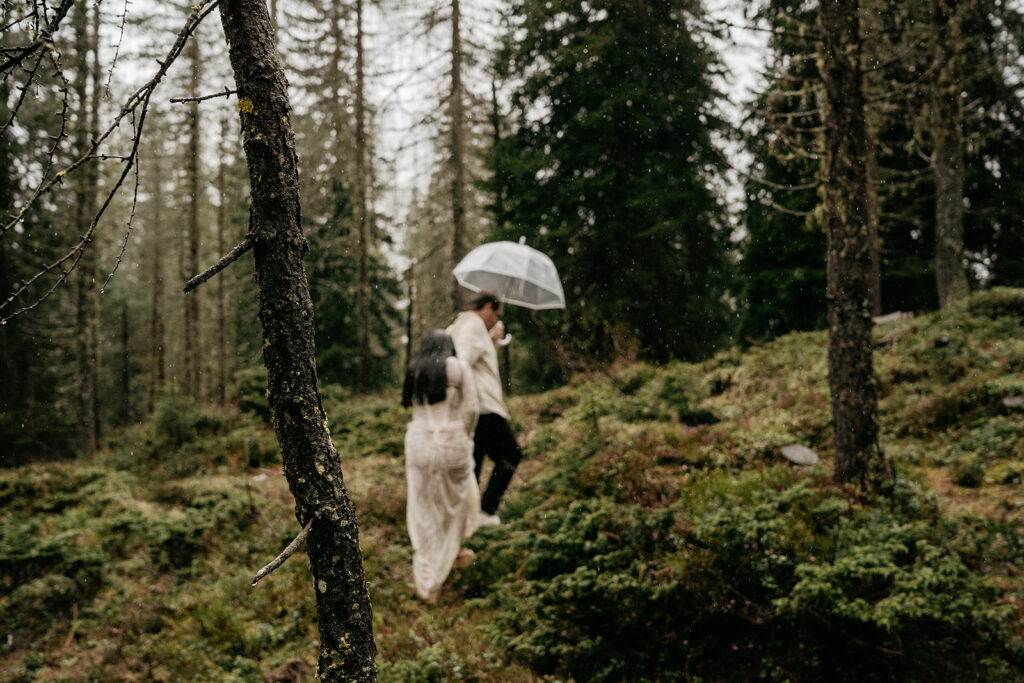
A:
(518, 273)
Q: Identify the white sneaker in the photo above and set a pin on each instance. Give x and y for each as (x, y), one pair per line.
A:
(489, 520)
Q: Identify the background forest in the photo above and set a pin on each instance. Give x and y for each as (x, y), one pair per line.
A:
(691, 228)
(595, 131)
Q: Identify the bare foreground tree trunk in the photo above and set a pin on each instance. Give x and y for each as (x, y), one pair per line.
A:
(311, 463)
(846, 200)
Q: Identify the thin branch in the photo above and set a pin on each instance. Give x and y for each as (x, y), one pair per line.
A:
(131, 220)
(811, 36)
(791, 212)
(776, 186)
(140, 98)
(788, 114)
(285, 554)
(220, 265)
(109, 157)
(24, 91)
(15, 22)
(226, 93)
(117, 48)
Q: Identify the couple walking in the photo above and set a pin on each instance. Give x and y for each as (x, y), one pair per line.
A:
(458, 419)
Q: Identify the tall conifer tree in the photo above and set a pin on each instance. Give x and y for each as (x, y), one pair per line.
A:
(845, 199)
(607, 169)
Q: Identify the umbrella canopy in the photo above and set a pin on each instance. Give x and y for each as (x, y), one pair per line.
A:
(519, 274)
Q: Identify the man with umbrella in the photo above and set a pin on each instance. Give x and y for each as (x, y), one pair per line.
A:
(525, 277)
(476, 333)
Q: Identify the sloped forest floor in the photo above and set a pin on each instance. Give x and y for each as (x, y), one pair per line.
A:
(653, 532)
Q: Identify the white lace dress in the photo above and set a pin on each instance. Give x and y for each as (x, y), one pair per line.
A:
(443, 504)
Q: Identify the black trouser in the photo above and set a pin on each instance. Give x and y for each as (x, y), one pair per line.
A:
(494, 438)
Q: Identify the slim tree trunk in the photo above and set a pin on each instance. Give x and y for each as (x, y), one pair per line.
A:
(192, 330)
(363, 276)
(87, 293)
(126, 365)
(457, 113)
(222, 335)
(948, 153)
(499, 212)
(845, 198)
(874, 224)
(156, 320)
(311, 463)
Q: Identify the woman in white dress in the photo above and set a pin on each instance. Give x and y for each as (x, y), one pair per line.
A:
(443, 504)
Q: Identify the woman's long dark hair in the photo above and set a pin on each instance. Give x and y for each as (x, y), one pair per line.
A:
(426, 380)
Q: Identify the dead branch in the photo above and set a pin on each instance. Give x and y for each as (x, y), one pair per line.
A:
(43, 39)
(285, 554)
(131, 221)
(139, 100)
(783, 209)
(777, 186)
(220, 265)
(117, 48)
(226, 93)
(136, 105)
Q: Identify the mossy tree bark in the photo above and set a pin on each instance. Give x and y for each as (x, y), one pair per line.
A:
(845, 199)
(311, 463)
(948, 152)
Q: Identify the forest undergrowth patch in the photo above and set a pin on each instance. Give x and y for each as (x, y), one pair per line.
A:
(653, 532)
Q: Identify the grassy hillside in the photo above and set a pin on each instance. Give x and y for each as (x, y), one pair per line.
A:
(653, 532)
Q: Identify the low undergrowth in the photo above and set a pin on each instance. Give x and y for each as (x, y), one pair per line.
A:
(653, 532)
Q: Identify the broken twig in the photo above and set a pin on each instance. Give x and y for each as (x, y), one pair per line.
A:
(225, 261)
(285, 554)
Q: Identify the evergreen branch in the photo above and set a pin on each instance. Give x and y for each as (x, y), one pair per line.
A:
(285, 554)
(226, 93)
(892, 91)
(220, 265)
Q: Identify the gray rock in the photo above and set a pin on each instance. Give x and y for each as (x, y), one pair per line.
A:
(799, 455)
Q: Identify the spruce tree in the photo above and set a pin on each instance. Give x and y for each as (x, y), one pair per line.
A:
(607, 170)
